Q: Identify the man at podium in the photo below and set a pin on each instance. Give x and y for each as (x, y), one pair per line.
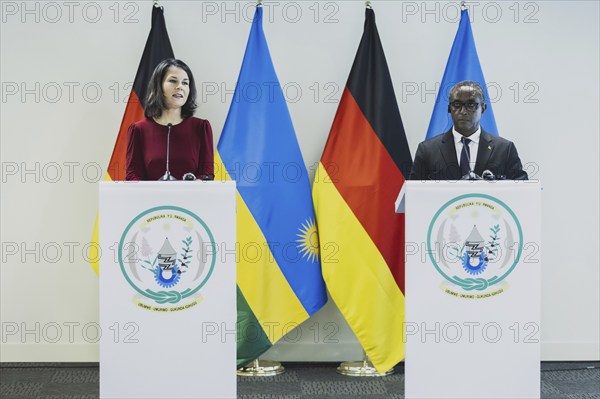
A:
(466, 151)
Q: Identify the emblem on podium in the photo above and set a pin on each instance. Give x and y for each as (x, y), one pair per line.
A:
(475, 241)
(167, 254)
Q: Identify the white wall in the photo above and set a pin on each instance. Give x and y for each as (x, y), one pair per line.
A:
(543, 57)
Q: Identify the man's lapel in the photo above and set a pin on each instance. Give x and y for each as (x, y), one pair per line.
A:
(484, 152)
(448, 151)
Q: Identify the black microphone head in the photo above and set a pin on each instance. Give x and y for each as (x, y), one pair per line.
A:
(169, 125)
(488, 175)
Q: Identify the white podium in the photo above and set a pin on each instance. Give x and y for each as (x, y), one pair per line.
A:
(167, 290)
(473, 268)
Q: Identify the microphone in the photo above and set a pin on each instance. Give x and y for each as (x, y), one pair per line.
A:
(167, 176)
(189, 176)
(488, 175)
(471, 176)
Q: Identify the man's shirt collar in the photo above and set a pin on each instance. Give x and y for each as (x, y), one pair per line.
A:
(474, 137)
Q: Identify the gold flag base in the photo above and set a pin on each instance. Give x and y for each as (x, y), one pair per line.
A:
(261, 368)
(363, 368)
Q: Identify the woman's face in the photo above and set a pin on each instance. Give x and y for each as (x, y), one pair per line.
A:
(176, 87)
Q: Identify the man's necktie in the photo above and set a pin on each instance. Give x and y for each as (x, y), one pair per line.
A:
(465, 157)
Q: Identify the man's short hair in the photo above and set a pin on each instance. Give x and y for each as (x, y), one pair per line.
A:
(472, 84)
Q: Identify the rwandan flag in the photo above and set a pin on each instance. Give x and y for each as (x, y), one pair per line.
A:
(278, 271)
(463, 64)
(158, 48)
(362, 170)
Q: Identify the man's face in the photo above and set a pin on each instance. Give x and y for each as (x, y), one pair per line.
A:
(466, 108)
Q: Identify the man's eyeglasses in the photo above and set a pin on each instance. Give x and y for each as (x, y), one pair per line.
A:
(470, 106)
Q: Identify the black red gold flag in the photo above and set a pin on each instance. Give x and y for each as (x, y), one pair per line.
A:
(362, 169)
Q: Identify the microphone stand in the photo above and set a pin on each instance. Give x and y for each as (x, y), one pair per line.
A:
(167, 176)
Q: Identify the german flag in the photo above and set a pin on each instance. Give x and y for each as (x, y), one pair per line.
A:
(361, 172)
(158, 47)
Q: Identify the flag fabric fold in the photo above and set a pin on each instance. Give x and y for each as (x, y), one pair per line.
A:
(157, 48)
(363, 167)
(278, 270)
(463, 64)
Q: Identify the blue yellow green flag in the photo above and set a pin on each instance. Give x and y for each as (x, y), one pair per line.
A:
(278, 270)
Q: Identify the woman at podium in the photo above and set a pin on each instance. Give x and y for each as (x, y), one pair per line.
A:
(170, 143)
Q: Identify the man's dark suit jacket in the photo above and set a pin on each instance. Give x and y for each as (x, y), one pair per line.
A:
(436, 158)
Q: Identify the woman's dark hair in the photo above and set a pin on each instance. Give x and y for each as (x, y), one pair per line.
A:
(155, 102)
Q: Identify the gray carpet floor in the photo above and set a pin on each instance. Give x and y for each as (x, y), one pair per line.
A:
(301, 381)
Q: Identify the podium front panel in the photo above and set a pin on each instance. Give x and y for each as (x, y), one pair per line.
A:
(167, 290)
(473, 262)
